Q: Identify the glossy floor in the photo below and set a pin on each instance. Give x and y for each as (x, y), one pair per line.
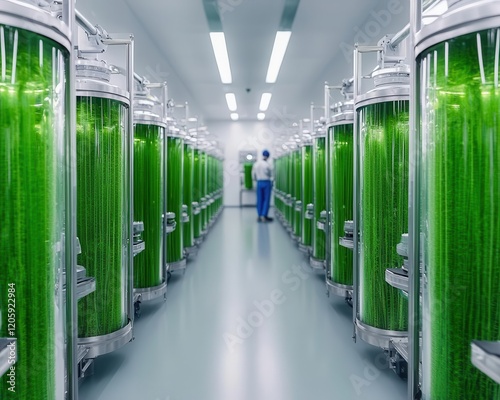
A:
(248, 320)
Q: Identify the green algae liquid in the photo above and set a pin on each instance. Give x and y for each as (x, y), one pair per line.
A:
(307, 193)
(102, 212)
(175, 168)
(341, 199)
(461, 212)
(319, 197)
(248, 176)
(384, 170)
(298, 193)
(188, 227)
(33, 105)
(148, 203)
(197, 191)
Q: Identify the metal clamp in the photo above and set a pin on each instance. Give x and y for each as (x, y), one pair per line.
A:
(138, 227)
(298, 206)
(310, 211)
(171, 223)
(196, 208)
(486, 357)
(138, 248)
(185, 215)
(321, 223)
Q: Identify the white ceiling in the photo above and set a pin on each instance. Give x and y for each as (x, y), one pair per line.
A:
(173, 44)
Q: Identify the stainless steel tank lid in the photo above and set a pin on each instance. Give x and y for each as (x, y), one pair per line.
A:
(344, 112)
(35, 19)
(461, 18)
(97, 70)
(396, 75)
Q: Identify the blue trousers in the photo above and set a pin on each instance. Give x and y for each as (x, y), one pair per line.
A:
(263, 197)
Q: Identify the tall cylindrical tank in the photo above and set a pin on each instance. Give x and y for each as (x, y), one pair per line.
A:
(307, 194)
(149, 180)
(282, 185)
(104, 206)
(318, 253)
(459, 143)
(188, 227)
(197, 193)
(297, 207)
(291, 189)
(210, 186)
(204, 211)
(248, 180)
(36, 230)
(277, 185)
(175, 194)
(383, 154)
(341, 159)
(286, 185)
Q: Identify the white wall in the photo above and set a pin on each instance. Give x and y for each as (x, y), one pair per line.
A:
(237, 136)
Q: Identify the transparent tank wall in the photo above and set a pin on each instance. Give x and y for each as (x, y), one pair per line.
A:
(204, 188)
(33, 106)
(277, 183)
(307, 193)
(248, 175)
(211, 178)
(102, 212)
(148, 203)
(220, 182)
(298, 193)
(188, 227)
(341, 200)
(291, 189)
(384, 169)
(282, 183)
(286, 178)
(175, 168)
(319, 198)
(197, 191)
(460, 102)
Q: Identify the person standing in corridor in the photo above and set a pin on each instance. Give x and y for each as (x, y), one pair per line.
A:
(262, 172)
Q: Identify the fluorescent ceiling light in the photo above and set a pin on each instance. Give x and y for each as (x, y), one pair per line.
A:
(264, 101)
(231, 102)
(220, 50)
(235, 116)
(261, 116)
(279, 50)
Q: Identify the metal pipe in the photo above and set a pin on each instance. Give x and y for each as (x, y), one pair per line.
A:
(71, 233)
(328, 232)
(85, 23)
(129, 42)
(357, 75)
(405, 32)
(414, 312)
(130, 81)
(164, 182)
(138, 78)
(311, 115)
(358, 69)
(118, 42)
(400, 36)
(165, 103)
